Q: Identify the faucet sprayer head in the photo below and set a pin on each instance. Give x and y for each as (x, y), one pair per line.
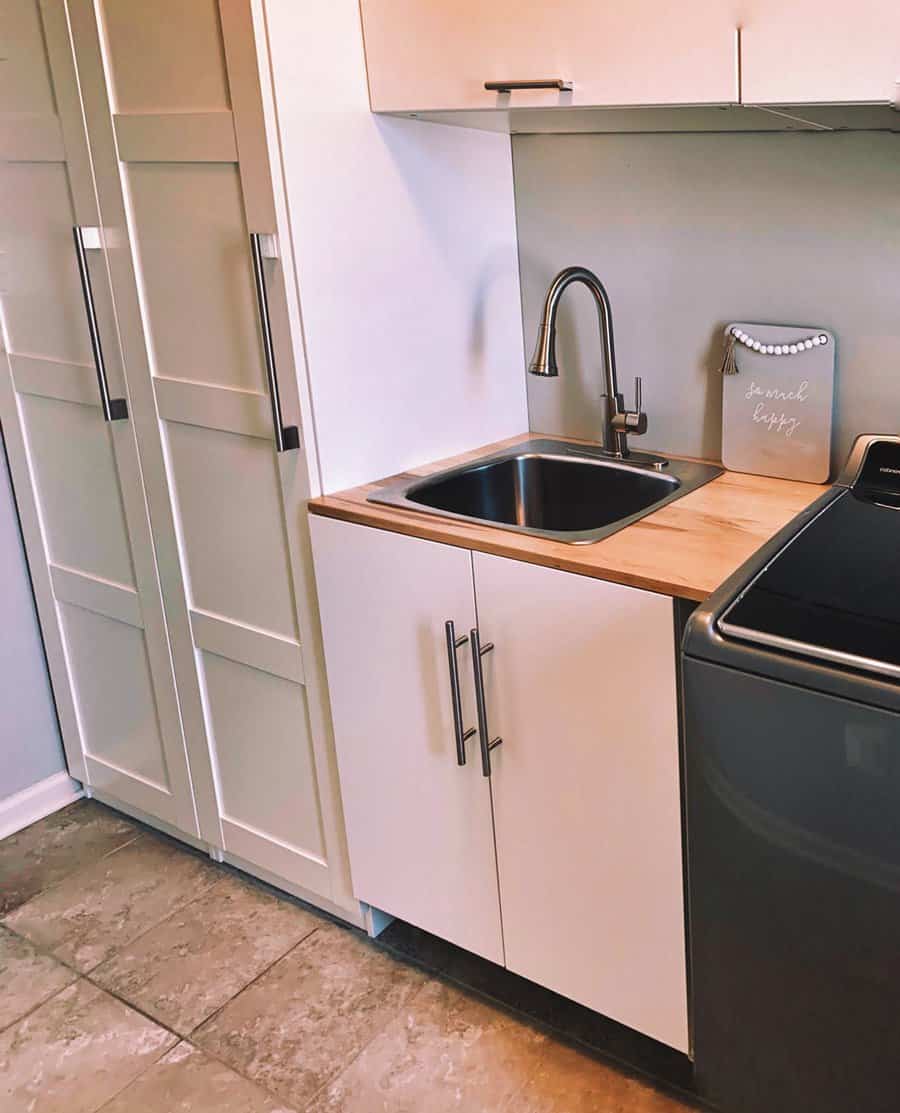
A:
(543, 362)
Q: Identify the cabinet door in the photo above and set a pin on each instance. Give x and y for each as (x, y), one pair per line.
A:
(806, 51)
(418, 824)
(78, 480)
(174, 112)
(581, 687)
(431, 55)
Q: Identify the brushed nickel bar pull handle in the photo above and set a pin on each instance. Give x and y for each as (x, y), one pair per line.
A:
(462, 736)
(478, 651)
(114, 409)
(538, 83)
(287, 437)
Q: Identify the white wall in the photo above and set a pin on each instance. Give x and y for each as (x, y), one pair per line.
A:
(30, 747)
(405, 245)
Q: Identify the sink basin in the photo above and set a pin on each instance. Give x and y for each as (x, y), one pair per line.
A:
(555, 493)
(552, 489)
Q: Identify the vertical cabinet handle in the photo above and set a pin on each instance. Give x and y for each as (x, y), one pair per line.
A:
(484, 735)
(114, 409)
(462, 736)
(287, 437)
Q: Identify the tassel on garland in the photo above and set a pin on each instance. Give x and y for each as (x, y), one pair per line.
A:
(729, 364)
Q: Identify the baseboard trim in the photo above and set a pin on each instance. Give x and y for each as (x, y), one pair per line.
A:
(37, 801)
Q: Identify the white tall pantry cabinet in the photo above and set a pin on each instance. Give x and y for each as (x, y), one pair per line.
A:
(164, 459)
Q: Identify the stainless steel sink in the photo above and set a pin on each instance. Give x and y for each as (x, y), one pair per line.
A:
(552, 489)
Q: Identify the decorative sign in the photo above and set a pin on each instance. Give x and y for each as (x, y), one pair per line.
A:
(777, 405)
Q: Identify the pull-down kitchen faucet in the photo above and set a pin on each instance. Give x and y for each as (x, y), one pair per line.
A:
(617, 420)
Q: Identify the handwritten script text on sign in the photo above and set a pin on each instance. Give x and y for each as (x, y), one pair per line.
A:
(777, 422)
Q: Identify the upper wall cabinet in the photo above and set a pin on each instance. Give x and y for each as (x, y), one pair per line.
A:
(428, 55)
(804, 51)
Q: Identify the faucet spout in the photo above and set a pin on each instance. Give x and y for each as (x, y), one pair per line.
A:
(543, 361)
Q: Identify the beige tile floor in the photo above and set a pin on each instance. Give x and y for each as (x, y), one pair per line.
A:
(139, 977)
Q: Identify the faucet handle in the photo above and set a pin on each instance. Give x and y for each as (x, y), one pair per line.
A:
(635, 421)
(630, 421)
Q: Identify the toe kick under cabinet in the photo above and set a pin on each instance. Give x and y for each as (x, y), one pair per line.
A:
(507, 740)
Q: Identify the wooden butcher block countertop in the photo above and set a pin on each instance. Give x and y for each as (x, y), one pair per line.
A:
(686, 549)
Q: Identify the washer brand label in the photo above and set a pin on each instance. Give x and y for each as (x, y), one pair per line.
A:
(881, 470)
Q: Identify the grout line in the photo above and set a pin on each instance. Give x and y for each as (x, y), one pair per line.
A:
(134, 1008)
(81, 976)
(346, 1066)
(261, 1086)
(215, 1013)
(89, 976)
(75, 870)
(338, 1074)
(178, 1037)
(51, 951)
(38, 1005)
(182, 1038)
(211, 1054)
(117, 951)
(138, 1076)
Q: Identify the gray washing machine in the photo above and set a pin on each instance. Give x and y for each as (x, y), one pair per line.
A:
(791, 675)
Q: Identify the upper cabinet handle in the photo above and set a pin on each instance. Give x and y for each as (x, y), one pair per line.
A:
(114, 409)
(286, 436)
(537, 83)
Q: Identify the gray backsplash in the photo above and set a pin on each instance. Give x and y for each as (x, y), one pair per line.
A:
(689, 232)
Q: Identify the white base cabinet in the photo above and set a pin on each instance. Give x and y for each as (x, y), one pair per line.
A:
(579, 822)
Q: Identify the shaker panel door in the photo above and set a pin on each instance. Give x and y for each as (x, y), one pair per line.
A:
(174, 110)
(77, 477)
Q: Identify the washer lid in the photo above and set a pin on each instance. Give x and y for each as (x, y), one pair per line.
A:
(834, 591)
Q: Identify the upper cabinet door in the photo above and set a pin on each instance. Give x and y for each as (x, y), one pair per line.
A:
(418, 823)
(432, 55)
(587, 805)
(809, 52)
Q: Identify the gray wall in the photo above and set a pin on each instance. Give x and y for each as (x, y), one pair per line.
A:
(30, 748)
(689, 232)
